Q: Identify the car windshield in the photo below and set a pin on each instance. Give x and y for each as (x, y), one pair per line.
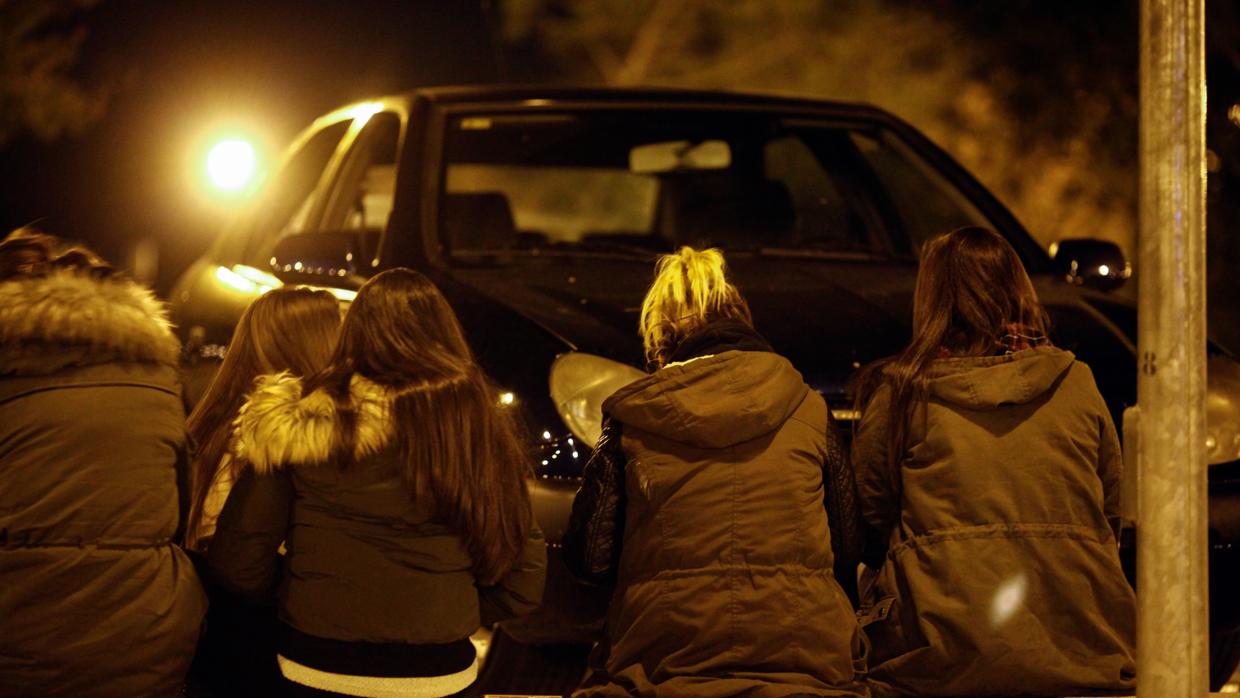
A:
(636, 182)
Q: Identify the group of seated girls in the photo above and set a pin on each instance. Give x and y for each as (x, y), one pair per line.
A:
(354, 474)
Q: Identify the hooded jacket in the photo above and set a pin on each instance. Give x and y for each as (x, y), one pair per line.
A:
(95, 599)
(1003, 573)
(724, 579)
(365, 564)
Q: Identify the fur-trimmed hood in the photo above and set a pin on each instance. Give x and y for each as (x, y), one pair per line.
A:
(90, 320)
(280, 426)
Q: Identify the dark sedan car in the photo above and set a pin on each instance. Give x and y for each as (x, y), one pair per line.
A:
(539, 212)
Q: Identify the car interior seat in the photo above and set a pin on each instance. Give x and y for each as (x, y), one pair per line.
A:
(728, 211)
(478, 221)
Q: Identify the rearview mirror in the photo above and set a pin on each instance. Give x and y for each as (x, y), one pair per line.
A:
(1091, 262)
(320, 258)
(675, 156)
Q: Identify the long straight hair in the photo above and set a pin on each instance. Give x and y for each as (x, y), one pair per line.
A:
(690, 289)
(285, 329)
(972, 290)
(458, 449)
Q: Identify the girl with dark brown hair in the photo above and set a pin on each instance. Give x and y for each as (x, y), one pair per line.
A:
(285, 329)
(989, 467)
(398, 485)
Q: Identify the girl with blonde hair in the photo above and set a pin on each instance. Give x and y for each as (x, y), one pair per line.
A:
(710, 471)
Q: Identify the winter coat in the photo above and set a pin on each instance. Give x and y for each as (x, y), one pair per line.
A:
(1003, 573)
(95, 598)
(724, 579)
(363, 563)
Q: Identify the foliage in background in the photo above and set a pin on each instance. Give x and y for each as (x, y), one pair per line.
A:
(40, 48)
(1037, 98)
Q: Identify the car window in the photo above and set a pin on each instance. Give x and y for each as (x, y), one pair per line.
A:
(362, 196)
(925, 201)
(830, 210)
(284, 205)
(640, 182)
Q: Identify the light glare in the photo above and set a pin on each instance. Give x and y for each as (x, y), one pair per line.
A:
(1009, 598)
(231, 164)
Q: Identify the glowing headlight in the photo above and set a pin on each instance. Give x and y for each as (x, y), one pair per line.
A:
(579, 385)
(1222, 410)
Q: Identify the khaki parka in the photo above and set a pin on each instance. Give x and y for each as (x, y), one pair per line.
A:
(95, 597)
(1003, 574)
(724, 583)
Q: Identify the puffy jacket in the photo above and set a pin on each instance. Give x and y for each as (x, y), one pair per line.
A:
(363, 562)
(95, 598)
(1003, 573)
(724, 579)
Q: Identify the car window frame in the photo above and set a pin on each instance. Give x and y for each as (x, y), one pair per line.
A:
(243, 240)
(347, 166)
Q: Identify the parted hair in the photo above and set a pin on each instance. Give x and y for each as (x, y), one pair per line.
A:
(29, 252)
(458, 449)
(690, 290)
(285, 329)
(972, 291)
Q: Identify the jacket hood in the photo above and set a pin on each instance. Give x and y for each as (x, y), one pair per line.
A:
(986, 382)
(68, 318)
(713, 401)
(278, 426)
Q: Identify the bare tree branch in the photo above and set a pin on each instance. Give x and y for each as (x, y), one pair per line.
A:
(646, 42)
(605, 60)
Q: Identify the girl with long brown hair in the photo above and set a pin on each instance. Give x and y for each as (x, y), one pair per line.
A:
(398, 484)
(989, 469)
(285, 329)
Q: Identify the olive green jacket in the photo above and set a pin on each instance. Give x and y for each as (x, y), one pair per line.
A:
(724, 582)
(95, 597)
(1003, 573)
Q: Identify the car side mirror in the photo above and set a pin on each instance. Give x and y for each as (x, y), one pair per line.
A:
(321, 257)
(1091, 262)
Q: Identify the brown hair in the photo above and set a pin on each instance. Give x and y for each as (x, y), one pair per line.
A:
(285, 329)
(690, 290)
(459, 451)
(28, 252)
(972, 290)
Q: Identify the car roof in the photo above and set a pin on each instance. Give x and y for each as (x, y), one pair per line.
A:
(544, 96)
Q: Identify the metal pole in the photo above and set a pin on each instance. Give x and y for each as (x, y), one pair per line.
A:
(1172, 619)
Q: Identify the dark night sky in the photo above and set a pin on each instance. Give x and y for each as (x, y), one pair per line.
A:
(177, 74)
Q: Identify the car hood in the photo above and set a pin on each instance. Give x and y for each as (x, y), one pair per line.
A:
(826, 317)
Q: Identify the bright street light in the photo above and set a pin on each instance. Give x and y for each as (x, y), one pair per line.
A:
(231, 164)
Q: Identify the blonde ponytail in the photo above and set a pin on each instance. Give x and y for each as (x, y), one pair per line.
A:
(690, 289)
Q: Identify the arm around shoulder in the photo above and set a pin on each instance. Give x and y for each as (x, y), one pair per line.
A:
(521, 590)
(244, 554)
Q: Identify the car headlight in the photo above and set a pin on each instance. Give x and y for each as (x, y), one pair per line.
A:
(580, 383)
(1222, 410)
